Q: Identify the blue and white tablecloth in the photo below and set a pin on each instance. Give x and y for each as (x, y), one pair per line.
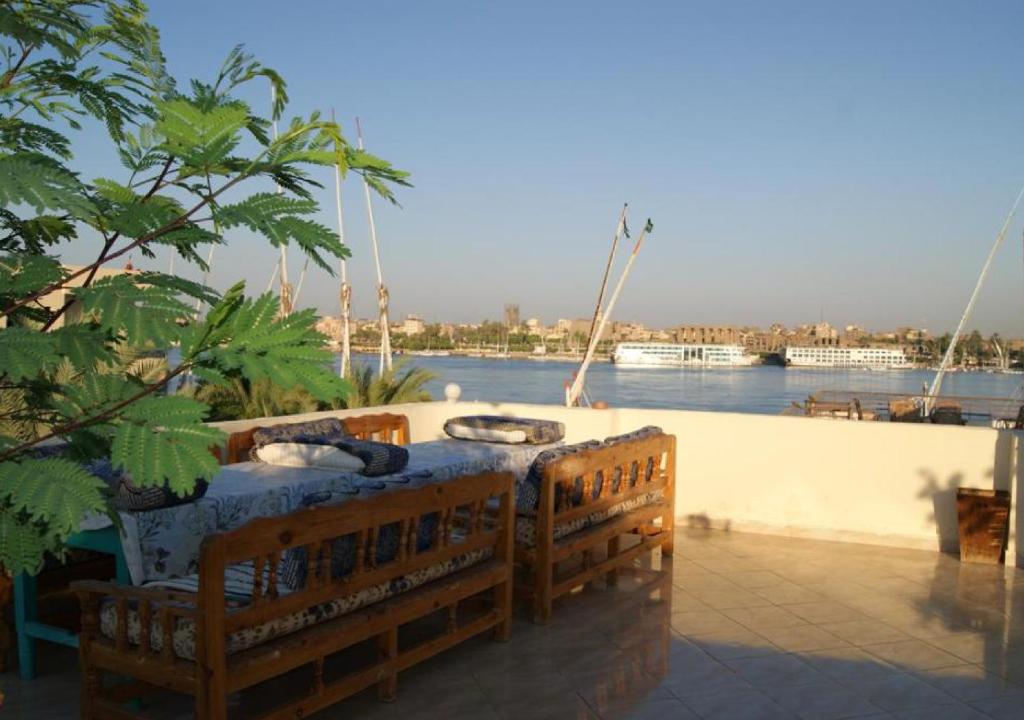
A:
(162, 544)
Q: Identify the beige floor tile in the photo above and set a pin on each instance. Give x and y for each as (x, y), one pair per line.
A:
(1004, 708)
(778, 670)
(823, 699)
(741, 643)
(725, 599)
(913, 655)
(947, 712)
(803, 638)
(750, 705)
(824, 612)
(762, 617)
(755, 579)
(970, 682)
(850, 666)
(702, 622)
(864, 632)
(653, 709)
(788, 594)
(703, 678)
(901, 693)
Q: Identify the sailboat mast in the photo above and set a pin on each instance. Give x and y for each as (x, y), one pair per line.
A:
(382, 291)
(933, 392)
(607, 271)
(572, 394)
(345, 293)
(282, 263)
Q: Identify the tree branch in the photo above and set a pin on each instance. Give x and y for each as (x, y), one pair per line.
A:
(109, 243)
(10, 74)
(107, 414)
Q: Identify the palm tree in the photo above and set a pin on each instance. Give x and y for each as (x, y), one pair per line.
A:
(400, 384)
(242, 399)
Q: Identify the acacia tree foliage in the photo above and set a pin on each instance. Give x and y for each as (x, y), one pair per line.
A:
(199, 163)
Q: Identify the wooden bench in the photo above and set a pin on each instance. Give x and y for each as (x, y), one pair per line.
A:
(148, 634)
(568, 498)
(382, 427)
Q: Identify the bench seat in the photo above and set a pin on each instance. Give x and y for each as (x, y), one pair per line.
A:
(526, 525)
(238, 585)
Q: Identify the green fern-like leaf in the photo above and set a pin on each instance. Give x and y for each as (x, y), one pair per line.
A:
(82, 345)
(200, 136)
(43, 186)
(23, 544)
(21, 274)
(142, 313)
(162, 440)
(25, 353)
(53, 491)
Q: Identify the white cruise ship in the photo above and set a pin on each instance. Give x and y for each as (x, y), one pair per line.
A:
(847, 357)
(665, 355)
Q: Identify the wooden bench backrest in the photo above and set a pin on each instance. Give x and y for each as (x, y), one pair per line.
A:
(461, 505)
(382, 427)
(576, 476)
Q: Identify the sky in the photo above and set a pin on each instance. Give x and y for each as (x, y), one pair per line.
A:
(852, 161)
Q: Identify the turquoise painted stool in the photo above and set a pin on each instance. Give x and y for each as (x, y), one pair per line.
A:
(27, 629)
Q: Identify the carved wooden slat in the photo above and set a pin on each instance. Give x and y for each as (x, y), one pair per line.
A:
(371, 550)
(360, 552)
(403, 540)
(453, 617)
(313, 578)
(414, 537)
(145, 626)
(167, 634)
(274, 558)
(257, 579)
(121, 631)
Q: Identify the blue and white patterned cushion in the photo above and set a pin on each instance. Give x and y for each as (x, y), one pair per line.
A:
(184, 634)
(528, 492)
(300, 432)
(497, 428)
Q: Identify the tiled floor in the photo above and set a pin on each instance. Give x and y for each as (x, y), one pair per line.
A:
(734, 626)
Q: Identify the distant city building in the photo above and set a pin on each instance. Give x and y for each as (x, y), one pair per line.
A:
(707, 335)
(413, 325)
(329, 326)
(511, 316)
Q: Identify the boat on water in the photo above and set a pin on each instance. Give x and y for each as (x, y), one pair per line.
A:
(669, 355)
(830, 356)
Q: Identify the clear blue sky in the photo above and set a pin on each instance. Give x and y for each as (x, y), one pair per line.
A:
(851, 158)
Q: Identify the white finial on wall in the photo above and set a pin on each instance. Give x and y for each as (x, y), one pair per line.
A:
(452, 392)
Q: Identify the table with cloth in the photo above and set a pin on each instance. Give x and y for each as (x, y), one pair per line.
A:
(163, 544)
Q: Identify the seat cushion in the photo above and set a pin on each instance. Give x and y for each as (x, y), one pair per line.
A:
(511, 430)
(306, 455)
(300, 432)
(526, 525)
(528, 491)
(238, 584)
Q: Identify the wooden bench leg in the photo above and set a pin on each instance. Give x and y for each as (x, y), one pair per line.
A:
(387, 649)
(542, 587)
(612, 578)
(668, 528)
(503, 604)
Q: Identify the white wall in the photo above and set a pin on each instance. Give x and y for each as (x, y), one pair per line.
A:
(874, 482)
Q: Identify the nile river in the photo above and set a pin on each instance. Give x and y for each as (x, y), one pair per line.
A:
(759, 389)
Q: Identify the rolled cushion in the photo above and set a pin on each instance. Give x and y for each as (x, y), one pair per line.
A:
(495, 428)
(131, 497)
(300, 432)
(307, 455)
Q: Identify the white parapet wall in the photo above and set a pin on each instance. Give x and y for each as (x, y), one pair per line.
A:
(874, 482)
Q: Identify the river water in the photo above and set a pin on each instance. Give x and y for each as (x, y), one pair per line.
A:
(758, 389)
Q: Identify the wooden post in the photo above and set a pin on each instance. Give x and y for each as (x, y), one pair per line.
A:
(544, 571)
(211, 655)
(506, 552)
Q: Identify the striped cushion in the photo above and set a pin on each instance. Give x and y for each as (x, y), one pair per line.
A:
(526, 526)
(301, 432)
(496, 428)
